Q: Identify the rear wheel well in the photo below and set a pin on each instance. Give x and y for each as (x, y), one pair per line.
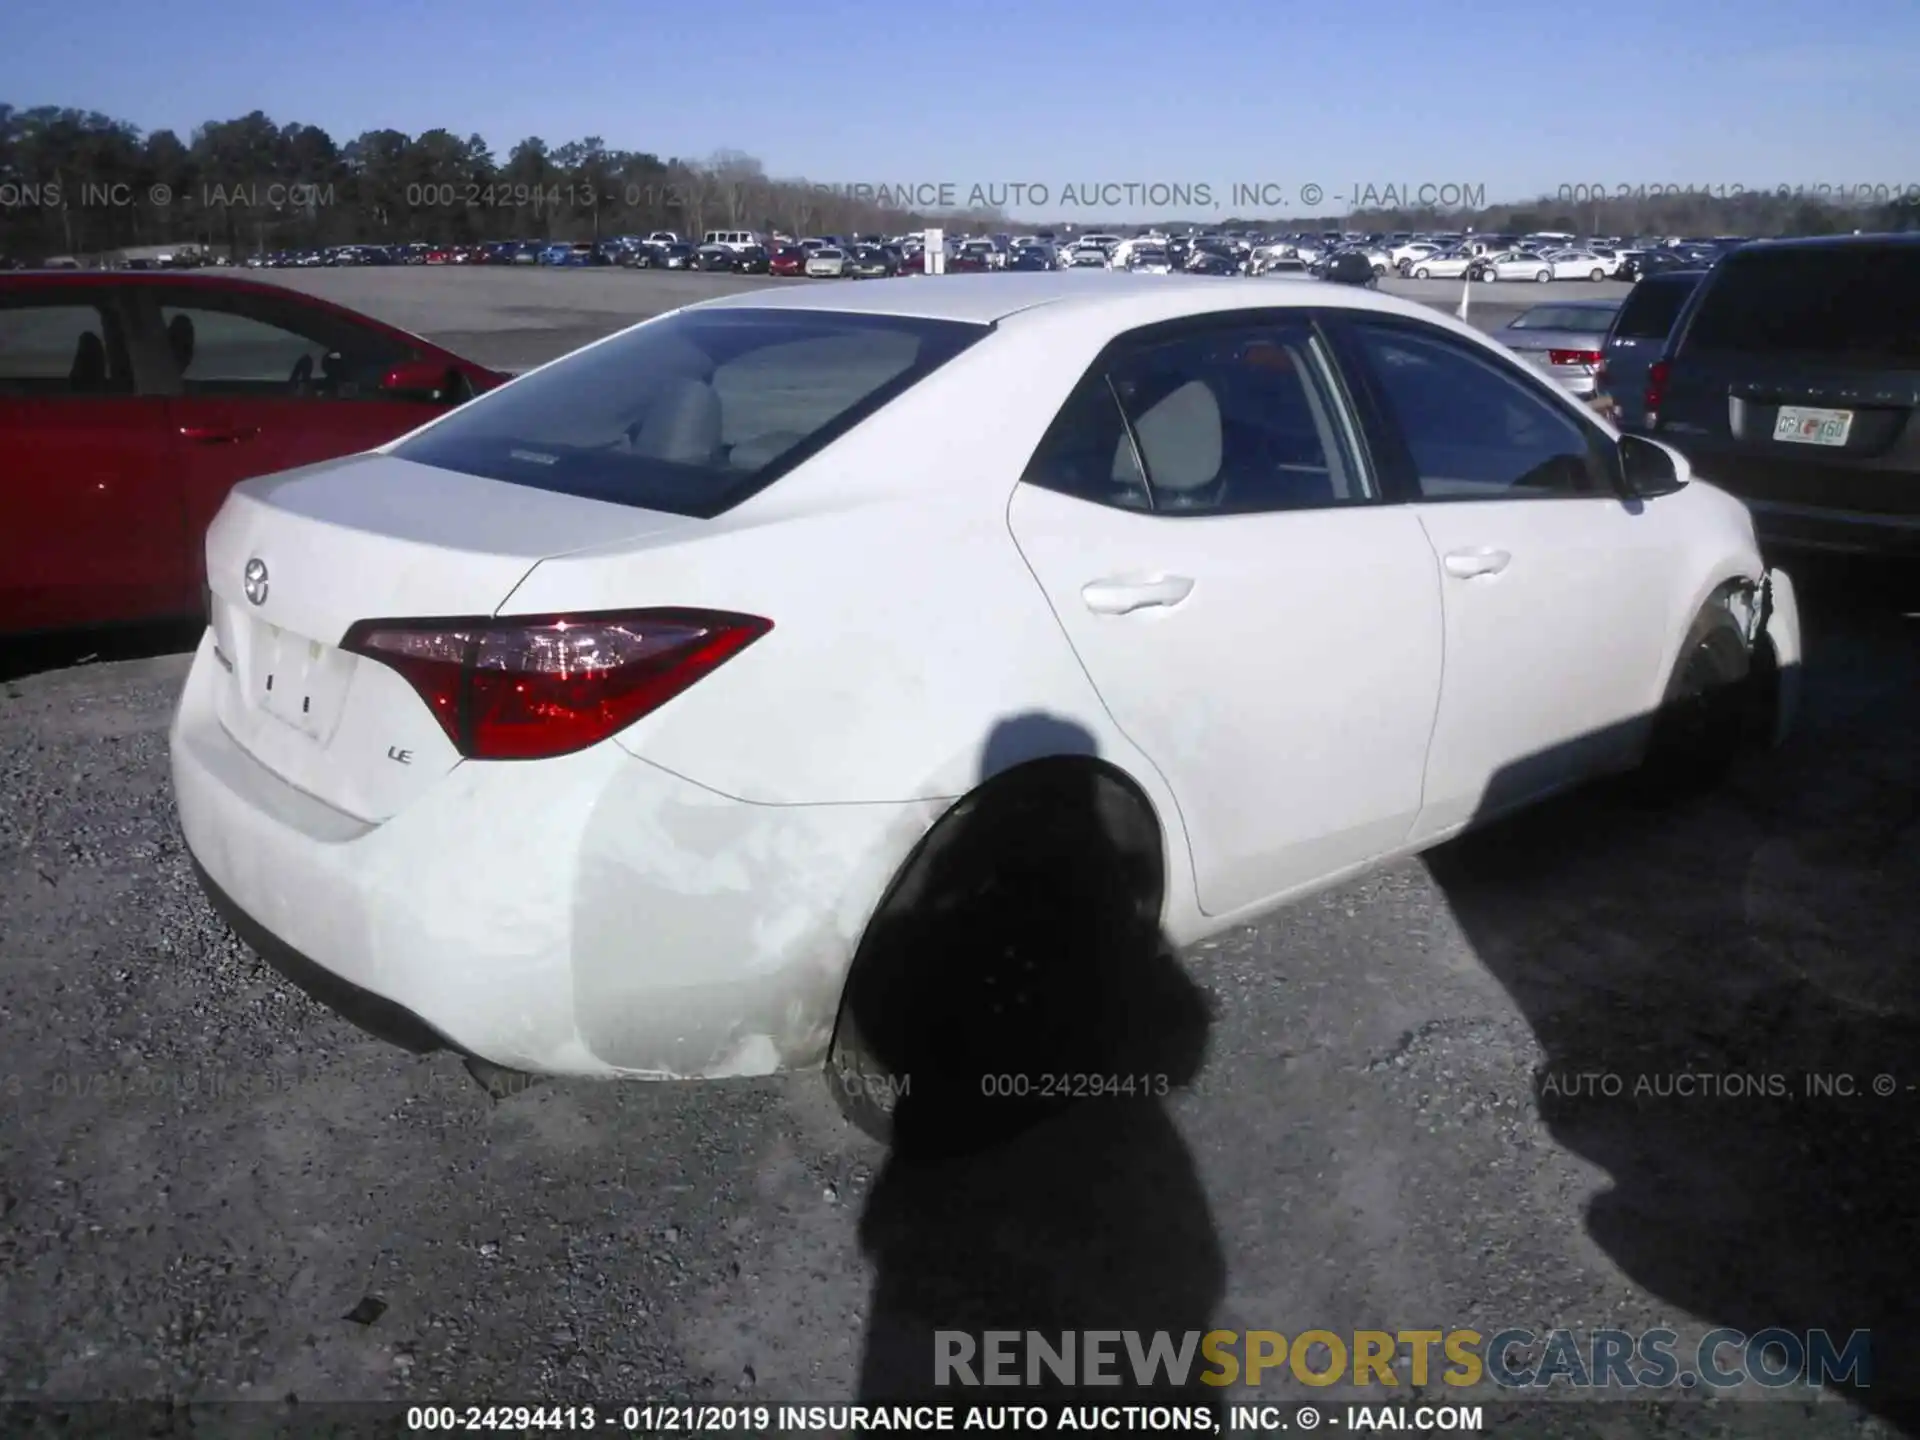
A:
(1084, 822)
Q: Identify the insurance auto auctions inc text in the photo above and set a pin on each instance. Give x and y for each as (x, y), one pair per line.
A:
(1244, 196)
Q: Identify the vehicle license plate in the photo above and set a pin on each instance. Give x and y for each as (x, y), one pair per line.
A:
(1803, 426)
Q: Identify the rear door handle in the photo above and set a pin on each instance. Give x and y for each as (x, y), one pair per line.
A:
(1469, 563)
(1122, 597)
(218, 434)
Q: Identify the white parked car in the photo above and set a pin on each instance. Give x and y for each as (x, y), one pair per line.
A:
(748, 688)
(1611, 256)
(1412, 252)
(827, 262)
(1447, 265)
(1580, 265)
(1514, 265)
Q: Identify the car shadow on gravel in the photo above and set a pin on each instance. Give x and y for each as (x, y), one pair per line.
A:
(1001, 1207)
(36, 654)
(1710, 981)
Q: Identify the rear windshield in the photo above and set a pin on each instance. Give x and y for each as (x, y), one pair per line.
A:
(1855, 302)
(1651, 308)
(692, 413)
(1587, 320)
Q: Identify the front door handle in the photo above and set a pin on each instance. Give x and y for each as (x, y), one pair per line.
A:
(1469, 563)
(1122, 597)
(218, 434)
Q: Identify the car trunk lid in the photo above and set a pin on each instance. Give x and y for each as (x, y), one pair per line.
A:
(294, 560)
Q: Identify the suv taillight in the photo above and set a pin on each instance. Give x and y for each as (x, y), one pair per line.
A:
(1656, 391)
(534, 687)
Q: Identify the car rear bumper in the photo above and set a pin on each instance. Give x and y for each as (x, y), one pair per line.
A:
(1852, 532)
(590, 915)
(1810, 503)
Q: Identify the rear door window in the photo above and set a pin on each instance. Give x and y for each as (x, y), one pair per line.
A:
(1651, 308)
(1857, 304)
(239, 344)
(692, 413)
(1230, 420)
(61, 346)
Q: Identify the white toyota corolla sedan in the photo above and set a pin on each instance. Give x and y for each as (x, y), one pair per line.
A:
(597, 727)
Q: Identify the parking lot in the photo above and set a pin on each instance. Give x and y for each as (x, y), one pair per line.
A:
(515, 316)
(211, 1188)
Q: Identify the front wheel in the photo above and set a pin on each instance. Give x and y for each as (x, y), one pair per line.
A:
(1422, 273)
(1544, 276)
(1702, 723)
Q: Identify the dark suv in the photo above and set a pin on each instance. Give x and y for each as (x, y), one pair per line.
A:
(1639, 338)
(1792, 379)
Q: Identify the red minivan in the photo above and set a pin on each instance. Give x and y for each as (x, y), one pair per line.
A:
(131, 402)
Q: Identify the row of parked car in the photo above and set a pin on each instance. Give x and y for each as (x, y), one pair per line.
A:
(1785, 370)
(1492, 257)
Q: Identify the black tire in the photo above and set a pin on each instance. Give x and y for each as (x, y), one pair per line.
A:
(984, 961)
(1705, 719)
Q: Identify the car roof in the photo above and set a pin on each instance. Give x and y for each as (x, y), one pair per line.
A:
(1576, 305)
(196, 279)
(1131, 299)
(1837, 242)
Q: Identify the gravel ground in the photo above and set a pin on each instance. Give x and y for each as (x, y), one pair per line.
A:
(210, 1188)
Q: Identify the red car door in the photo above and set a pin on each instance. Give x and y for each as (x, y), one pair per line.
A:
(90, 507)
(266, 381)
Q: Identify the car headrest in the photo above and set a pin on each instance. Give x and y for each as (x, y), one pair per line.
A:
(682, 424)
(89, 370)
(1180, 441)
(180, 339)
(763, 450)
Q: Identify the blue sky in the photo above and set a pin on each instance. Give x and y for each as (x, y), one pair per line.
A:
(1522, 101)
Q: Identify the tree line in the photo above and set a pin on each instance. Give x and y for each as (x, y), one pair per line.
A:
(79, 182)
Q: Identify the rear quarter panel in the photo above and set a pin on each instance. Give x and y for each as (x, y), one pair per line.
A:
(913, 653)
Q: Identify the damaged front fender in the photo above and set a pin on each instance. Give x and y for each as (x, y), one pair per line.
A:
(1777, 644)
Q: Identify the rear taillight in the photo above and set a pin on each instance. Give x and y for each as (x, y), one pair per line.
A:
(1656, 391)
(1573, 357)
(533, 687)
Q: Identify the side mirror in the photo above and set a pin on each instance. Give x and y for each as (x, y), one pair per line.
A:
(1647, 468)
(424, 379)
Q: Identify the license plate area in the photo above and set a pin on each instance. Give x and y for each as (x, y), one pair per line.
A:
(299, 682)
(1805, 425)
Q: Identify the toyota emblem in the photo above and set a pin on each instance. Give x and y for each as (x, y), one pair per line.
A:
(255, 581)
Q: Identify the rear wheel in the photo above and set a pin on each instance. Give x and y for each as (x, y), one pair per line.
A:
(995, 956)
(1543, 276)
(1597, 276)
